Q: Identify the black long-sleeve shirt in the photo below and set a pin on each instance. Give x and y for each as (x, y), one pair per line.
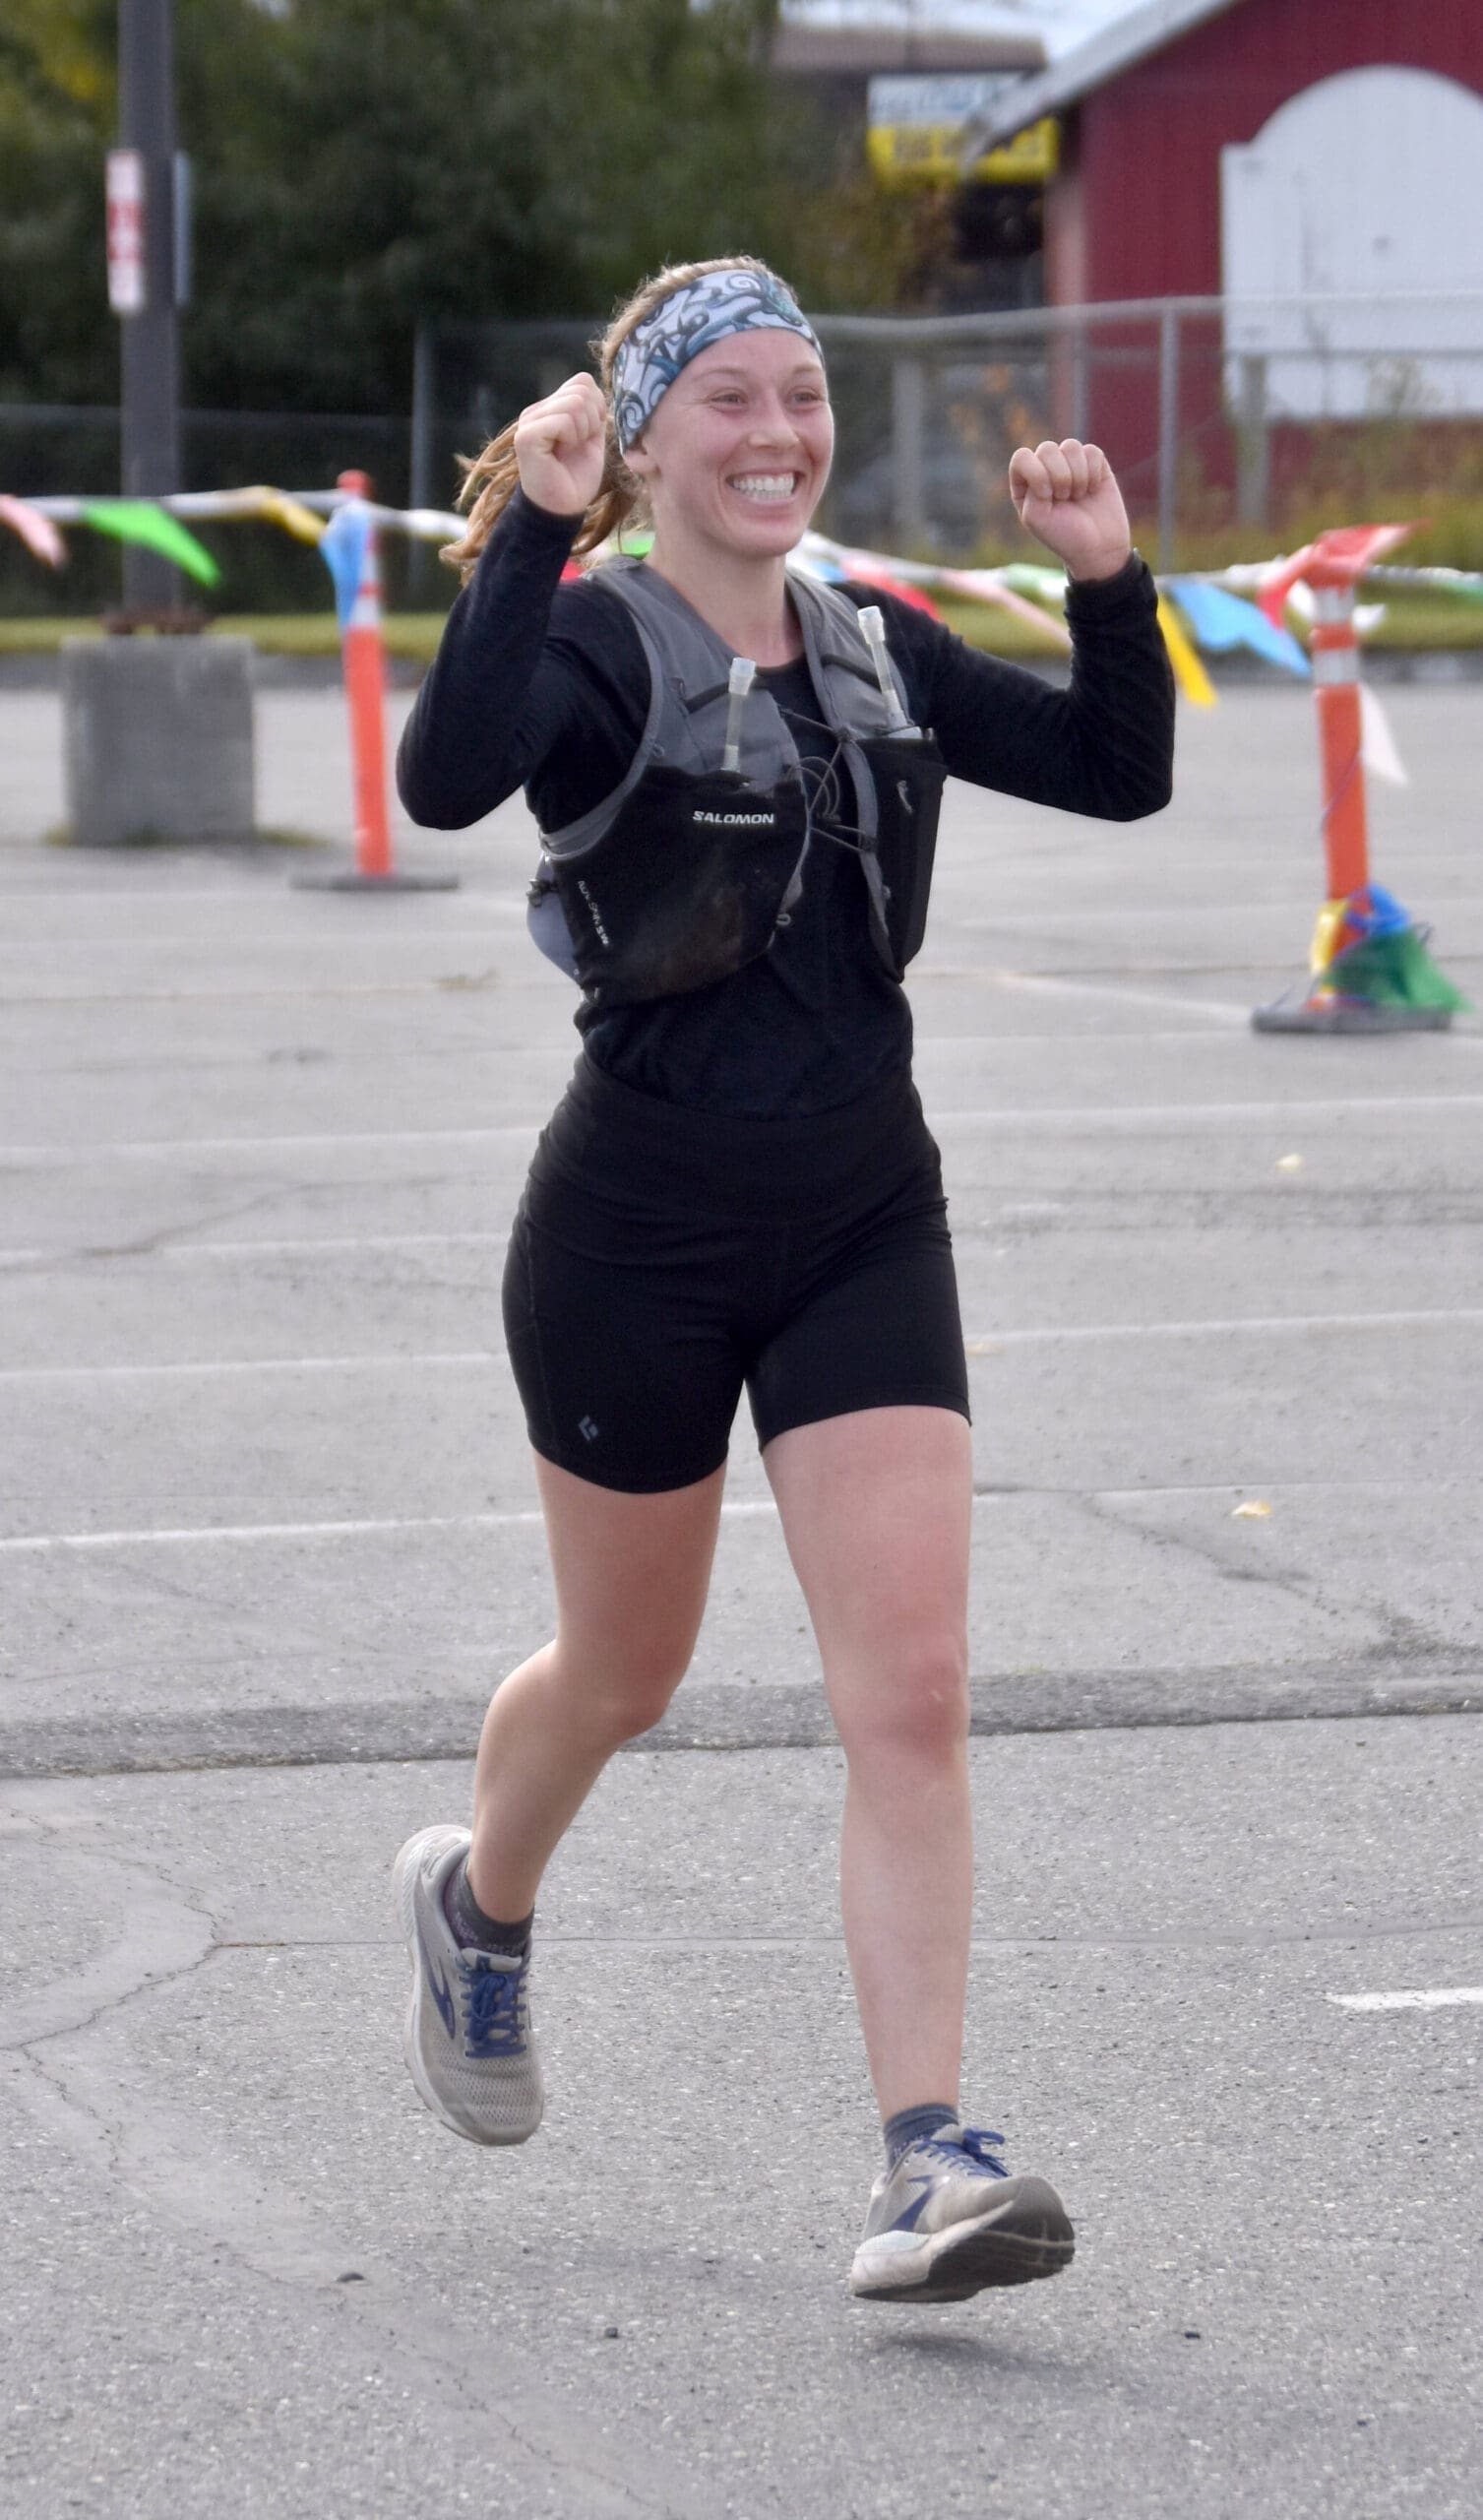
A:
(538, 685)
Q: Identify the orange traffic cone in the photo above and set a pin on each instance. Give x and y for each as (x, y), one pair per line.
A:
(351, 553)
(1369, 968)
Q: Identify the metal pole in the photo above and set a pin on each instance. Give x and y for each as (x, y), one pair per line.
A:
(1253, 444)
(421, 564)
(1168, 434)
(151, 379)
(1081, 382)
(908, 400)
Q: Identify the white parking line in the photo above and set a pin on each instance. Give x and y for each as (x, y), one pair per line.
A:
(989, 1344)
(1017, 1115)
(737, 1509)
(34, 1543)
(389, 1363)
(1260, 1326)
(63, 1255)
(1054, 984)
(1116, 1115)
(1411, 1999)
(152, 1150)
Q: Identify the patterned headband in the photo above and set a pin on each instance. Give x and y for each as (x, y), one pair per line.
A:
(690, 319)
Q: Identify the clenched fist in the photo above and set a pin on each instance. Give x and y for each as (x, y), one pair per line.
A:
(1066, 497)
(561, 447)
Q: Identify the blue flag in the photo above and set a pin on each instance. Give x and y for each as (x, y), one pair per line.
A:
(1221, 621)
(343, 545)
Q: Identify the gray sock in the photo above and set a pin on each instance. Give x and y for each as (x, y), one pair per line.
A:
(475, 1930)
(913, 2126)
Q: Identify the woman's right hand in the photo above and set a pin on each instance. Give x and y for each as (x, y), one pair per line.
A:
(561, 447)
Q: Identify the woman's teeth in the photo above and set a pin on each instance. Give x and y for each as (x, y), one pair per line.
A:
(765, 485)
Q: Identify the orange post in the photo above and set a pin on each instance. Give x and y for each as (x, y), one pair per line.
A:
(364, 654)
(365, 691)
(1332, 567)
(1335, 691)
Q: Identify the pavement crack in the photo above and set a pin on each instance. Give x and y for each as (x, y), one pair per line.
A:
(213, 2197)
(1206, 1554)
(163, 1941)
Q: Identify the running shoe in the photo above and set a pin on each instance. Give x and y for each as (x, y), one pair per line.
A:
(946, 2221)
(468, 2042)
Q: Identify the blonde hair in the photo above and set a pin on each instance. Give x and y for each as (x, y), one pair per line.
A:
(490, 480)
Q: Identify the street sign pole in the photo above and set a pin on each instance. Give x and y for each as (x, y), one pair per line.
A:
(143, 264)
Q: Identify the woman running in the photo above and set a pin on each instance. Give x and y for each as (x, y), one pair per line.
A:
(735, 774)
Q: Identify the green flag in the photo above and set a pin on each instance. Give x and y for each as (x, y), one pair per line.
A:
(140, 521)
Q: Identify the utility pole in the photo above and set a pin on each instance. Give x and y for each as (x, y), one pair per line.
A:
(147, 219)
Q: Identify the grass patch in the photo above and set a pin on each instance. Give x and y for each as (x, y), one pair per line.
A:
(1413, 621)
(265, 836)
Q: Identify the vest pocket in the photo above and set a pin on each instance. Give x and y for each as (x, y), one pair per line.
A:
(686, 885)
(909, 776)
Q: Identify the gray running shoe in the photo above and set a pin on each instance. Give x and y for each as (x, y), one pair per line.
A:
(468, 2043)
(946, 2221)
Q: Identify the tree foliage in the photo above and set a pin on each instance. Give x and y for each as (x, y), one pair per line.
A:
(361, 169)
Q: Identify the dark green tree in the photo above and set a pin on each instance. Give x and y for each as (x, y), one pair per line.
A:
(361, 169)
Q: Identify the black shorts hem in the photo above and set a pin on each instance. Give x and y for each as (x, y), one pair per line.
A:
(592, 1476)
(855, 1407)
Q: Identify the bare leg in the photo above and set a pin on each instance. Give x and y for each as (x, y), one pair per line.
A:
(877, 1510)
(632, 1573)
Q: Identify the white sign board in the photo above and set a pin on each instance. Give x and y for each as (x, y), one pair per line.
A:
(126, 232)
(931, 104)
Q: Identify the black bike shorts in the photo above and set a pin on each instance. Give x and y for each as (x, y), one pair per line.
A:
(662, 1258)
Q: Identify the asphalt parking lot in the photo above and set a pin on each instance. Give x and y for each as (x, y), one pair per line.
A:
(267, 1538)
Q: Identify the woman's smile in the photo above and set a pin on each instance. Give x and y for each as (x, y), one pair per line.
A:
(739, 449)
(767, 489)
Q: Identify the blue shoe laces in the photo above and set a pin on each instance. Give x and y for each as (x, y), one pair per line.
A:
(493, 2024)
(976, 2142)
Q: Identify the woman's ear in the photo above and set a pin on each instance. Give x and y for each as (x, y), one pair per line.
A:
(639, 461)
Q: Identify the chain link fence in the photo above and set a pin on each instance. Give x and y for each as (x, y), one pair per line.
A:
(1235, 418)
(1216, 414)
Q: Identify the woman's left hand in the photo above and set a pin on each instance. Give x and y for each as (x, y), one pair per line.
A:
(1067, 496)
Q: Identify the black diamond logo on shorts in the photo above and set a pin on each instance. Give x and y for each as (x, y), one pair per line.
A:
(585, 1427)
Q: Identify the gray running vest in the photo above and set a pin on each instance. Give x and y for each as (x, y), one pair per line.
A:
(686, 871)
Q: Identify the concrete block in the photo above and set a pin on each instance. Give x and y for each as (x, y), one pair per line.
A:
(157, 739)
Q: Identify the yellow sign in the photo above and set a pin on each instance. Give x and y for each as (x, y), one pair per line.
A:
(903, 155)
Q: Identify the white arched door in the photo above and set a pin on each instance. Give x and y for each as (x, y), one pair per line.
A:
(1365, 191)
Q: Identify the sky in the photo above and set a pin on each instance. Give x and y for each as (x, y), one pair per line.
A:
(1060, 24)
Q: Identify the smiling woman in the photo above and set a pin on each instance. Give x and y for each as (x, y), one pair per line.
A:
(736, 774)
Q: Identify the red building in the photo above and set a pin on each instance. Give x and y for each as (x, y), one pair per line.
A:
(1269, 151)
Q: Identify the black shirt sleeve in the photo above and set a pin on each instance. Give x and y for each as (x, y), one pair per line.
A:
(544, 686)
(517, 694)
(1103, 747)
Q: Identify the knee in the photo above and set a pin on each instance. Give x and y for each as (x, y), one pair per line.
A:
(622, 1700)
(914, 1707)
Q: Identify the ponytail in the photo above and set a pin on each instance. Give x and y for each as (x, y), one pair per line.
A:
(491, 479)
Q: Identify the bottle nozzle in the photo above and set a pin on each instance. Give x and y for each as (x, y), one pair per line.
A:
(739, 682)
(873, 623)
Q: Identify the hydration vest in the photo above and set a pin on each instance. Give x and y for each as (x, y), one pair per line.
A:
(687, 870)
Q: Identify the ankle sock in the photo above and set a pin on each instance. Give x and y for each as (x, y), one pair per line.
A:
(473, 1930)
(914, 2126)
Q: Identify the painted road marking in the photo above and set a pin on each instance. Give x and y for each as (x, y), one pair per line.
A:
(1261, 1326)
(734, 1509)
(32, 1542)
(463, 1360)
(1220, 1010)
(63, 1255)
(1317, 1323)
(1411, 1999)
(1017, 1115)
